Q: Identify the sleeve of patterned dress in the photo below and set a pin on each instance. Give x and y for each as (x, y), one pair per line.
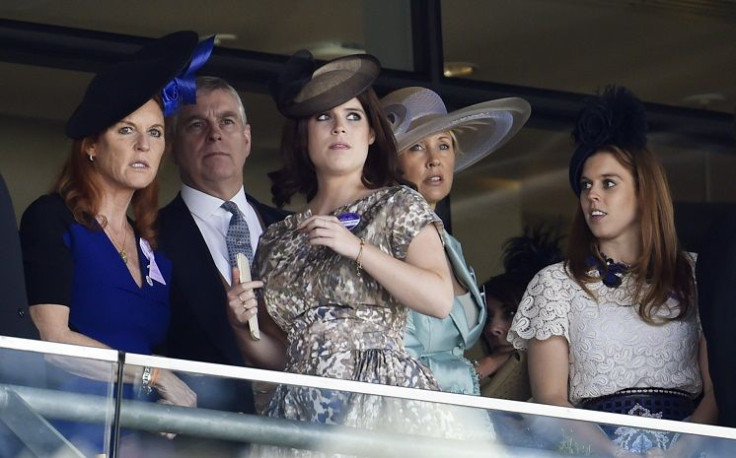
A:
(544, 308)
(47, 256)
(407, 214)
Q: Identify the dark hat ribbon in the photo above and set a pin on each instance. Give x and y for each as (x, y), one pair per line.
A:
(182, 89)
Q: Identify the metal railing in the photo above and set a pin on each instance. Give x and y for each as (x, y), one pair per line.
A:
(25, 408)
(211, 424)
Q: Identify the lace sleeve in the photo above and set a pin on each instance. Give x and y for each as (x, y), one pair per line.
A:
(543, 311)
(693, 258)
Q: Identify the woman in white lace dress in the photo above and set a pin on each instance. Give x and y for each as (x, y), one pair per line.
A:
(615, 327)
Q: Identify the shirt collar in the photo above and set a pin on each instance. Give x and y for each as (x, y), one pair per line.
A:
(205, 206)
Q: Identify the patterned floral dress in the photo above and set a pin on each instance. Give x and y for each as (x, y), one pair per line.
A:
(346, 326)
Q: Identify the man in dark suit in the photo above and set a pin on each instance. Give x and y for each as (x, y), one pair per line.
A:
(15, 320)
(16, 368)
(716, 278)
(209, 142)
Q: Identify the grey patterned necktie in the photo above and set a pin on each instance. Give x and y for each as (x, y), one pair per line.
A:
(238, 235)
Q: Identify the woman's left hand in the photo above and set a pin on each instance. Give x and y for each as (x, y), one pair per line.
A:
(175, 392)
(489, 365)
(328, 231)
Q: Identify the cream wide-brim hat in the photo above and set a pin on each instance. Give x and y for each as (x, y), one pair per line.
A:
(416, 112)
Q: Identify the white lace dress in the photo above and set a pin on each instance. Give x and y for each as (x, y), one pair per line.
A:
(611, 347)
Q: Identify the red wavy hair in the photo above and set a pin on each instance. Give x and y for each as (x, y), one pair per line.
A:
(78, 185)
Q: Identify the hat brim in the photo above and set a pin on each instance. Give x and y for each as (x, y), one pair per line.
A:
(480, 129)
(121, 89)
(333, 84)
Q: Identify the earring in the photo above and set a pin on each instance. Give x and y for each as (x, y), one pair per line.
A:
(91, 157)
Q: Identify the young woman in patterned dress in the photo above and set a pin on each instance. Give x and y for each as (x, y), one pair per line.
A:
(340, 276)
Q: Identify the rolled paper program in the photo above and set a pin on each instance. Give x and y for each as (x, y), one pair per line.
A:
(244, 268)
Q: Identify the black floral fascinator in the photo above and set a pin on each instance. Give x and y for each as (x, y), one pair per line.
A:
(614, 118)
(524, 256)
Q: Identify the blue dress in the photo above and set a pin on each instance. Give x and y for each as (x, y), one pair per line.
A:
(440, 343)
(69, 264)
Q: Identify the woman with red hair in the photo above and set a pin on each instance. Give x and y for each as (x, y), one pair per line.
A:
(614, 328)
(94, 277)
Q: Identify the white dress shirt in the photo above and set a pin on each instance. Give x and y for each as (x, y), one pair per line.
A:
(213, 222)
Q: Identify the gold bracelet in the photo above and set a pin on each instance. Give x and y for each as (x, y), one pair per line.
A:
(358, 264)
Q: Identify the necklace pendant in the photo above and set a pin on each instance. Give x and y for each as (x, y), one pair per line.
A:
(123, 256)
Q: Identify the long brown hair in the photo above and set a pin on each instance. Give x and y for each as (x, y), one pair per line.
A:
(663, 270)
(78, 186)
(297, 175)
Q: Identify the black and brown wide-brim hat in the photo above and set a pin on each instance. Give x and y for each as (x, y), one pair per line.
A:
(122, 88)
(301, 90)
(416, 113)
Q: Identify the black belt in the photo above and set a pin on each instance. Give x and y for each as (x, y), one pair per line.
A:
(670, 403)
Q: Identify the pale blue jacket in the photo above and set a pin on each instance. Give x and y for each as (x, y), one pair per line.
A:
(440, 343)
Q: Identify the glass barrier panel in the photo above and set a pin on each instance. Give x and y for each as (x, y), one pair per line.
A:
(300, 415)
(55, 400)
(47, 408)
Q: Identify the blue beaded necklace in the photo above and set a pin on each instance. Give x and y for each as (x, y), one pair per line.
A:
(611, 272)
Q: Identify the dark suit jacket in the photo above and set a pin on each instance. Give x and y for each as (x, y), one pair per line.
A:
(716, 276)
(17, 368)
(14, 318)
(199, 328)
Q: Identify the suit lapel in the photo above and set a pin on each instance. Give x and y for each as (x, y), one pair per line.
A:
(467, 279)
(199, 279)
(267, 215)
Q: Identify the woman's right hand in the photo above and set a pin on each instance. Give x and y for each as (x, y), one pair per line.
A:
(241, 298)
(325, 230)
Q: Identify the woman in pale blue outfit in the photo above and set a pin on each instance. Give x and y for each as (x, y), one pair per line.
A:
(432, 146)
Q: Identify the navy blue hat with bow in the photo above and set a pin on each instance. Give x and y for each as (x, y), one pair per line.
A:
(165, 66)
(614, 118)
